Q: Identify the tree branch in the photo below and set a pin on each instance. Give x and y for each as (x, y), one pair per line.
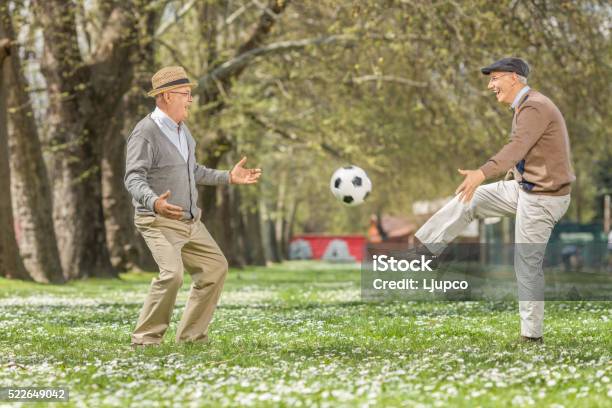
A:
(180, 13)
(232, 17)
(265, 9)
(263, 28)
(288, 135)
(112, 63)
(232, 68)
(175, 54)
(62, 63)
(209, 90)
(119, 30)
(387, 78)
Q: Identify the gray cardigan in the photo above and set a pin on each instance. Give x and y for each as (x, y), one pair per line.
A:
(153, 165)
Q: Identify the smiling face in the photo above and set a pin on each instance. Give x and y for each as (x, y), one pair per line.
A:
(176, 103)
(505, 85)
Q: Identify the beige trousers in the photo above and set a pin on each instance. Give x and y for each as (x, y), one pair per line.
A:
(536, 215)
(179, 245)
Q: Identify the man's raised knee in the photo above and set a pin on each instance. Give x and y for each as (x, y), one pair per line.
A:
(477, 199)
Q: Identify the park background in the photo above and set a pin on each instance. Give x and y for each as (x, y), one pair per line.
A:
(301, 88)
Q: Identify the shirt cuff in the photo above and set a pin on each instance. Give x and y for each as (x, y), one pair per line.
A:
(150, 203)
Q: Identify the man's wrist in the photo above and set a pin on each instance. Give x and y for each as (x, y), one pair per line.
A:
(487, 169)
(151, 203)
(482, 174)
(229, 175)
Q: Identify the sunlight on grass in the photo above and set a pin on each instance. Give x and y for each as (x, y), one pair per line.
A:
(298, 334)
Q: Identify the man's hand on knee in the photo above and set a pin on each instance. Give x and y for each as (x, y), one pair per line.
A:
(473, 178)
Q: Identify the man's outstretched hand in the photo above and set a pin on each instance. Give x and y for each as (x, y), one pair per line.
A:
(473, 178)
(165, 209)
(240, 175)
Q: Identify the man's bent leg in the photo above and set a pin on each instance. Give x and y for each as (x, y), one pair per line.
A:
(490, 200)
(536, 217)
(157, 309)
(208, 267)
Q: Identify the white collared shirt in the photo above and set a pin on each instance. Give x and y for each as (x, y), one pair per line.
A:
(519, 95)
(172, 130)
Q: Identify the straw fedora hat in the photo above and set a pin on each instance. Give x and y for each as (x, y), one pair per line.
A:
(169, 78)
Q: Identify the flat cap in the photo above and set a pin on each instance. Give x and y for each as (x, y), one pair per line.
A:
(510, 64)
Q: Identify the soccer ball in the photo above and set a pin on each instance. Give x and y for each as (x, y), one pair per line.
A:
(350, 185)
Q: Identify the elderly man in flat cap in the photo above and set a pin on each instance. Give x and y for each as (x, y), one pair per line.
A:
(536, 189)
(161, 175)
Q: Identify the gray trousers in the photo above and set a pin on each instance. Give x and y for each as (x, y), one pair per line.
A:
(536, 215)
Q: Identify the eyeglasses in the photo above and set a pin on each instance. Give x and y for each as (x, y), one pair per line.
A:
(189, 96)
(493, 79)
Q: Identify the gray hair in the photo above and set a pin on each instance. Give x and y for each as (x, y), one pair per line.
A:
(159, 98)
(521, 79)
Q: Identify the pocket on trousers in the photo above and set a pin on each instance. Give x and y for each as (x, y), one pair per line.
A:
(144, 221)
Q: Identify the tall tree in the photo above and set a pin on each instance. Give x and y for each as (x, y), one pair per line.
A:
(84, 94)
(31, 191)
(217, 83)
(10, 262)
(126, 246)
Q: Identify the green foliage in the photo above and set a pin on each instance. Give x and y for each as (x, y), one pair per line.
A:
(404, 98)
(397, 92)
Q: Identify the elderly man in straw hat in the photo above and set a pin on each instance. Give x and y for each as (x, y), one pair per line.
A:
(161, 175)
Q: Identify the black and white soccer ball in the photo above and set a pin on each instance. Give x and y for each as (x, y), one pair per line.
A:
(350, 185)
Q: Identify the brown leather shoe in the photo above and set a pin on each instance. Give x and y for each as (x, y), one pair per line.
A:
(525, 339)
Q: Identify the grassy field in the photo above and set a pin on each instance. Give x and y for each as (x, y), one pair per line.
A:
(298, 334)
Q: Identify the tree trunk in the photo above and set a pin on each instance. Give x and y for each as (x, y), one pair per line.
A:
(84, 98)
(268, 233)
(11, 265)
(78, 212)
(215, 213)
(229, 240)
(116, 203)
(279, 215)
(211, 198)
(207, 201)
(254, 248)
(238, 234)
(30, 187)
(289, 226)
(126, 246)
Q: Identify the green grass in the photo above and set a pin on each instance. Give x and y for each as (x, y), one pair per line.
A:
(298, 334)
